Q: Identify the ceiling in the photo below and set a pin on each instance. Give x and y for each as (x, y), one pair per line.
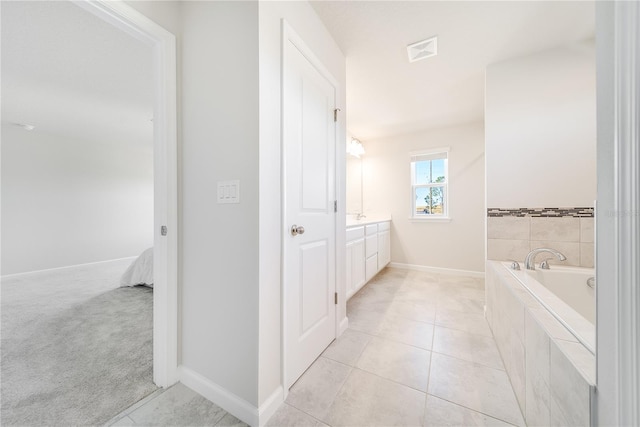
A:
(387, 95)
(70, 73)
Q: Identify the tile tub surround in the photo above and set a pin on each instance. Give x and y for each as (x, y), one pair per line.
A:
(552, 374)
(512, 237)
(410, 357)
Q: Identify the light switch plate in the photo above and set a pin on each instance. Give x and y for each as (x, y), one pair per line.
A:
(229, 191)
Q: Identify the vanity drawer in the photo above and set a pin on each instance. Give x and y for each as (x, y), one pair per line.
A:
(372, 229)
(355, 233)
(384, 226)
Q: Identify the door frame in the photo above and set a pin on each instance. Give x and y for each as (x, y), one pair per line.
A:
(165, 252)
(289, 35)
(617, 215)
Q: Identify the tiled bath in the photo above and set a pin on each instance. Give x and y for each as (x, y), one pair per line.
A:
(512, 237)
(552, 374)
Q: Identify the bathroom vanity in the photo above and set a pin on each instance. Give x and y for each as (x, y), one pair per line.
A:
(368, 250)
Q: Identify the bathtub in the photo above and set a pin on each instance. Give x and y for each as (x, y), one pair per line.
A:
(565, 293)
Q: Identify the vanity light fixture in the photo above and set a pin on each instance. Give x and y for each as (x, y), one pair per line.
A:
(355, 148)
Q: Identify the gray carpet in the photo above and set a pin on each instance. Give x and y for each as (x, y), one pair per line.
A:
(78, 365)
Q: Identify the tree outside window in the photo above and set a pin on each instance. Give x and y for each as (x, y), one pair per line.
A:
(429, 184)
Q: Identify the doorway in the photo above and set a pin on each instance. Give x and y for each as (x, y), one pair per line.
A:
(165, 253)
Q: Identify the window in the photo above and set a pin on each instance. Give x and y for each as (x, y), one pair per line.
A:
(429, 178)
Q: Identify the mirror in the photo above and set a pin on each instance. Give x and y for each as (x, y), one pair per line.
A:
(354, 185)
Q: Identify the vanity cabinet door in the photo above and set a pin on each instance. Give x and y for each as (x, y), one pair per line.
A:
(384, 249)
(355, 266)
(371, 267)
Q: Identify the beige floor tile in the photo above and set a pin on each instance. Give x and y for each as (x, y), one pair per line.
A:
(230, 421)
(474, 386)
(397, 362)
(406, 331)
(471, 347)
(473, 323)
(458, 303)
(440, 412)
(318, 386)
(288, 416)
(371, 298)
(348, 347)
(422, 311)
(178, 406)
(365, 321)
(413, 295)
(368, 400)
(472, 293)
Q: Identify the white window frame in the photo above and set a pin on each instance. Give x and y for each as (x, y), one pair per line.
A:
(445, 215)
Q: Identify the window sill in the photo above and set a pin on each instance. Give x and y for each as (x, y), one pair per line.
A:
(430, 219)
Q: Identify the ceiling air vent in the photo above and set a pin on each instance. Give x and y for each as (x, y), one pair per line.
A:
(423, 49)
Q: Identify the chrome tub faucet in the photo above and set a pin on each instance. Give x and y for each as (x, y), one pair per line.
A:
(530, 260)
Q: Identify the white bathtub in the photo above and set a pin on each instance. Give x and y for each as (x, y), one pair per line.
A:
(565, 293)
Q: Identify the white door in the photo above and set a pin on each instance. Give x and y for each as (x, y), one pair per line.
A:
(309, 139)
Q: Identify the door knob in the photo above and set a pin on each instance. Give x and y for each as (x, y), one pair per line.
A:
(297, 229)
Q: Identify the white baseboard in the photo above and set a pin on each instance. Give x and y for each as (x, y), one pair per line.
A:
(344, 324)
(6, 276)
(270, 406)
(438, 270)
(228, 401)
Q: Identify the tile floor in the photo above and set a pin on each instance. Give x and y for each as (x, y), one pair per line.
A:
(175, 406)
(418, 351)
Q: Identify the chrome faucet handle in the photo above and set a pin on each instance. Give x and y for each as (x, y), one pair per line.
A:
(544, 265)
(515, 265)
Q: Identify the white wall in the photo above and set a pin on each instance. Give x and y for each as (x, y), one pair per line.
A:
(67, 201)
(230, 254)
(303, 19)
(458, 244)
(540, 124)
(219, 292)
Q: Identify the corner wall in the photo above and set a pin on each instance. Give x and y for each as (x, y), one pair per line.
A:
(458, 244)
(219, 280)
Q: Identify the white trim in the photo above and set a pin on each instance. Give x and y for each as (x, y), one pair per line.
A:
(165, 254)
(7, 276)
(344, 324)
(236, 406)
(437, 270)
(429, 151)
(430, 219)
(627, 204)
(618, 215)
(270, 406)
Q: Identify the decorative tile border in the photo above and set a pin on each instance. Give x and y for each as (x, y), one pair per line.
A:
(542, 212)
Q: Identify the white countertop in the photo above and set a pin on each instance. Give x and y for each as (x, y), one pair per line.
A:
(368, 219)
